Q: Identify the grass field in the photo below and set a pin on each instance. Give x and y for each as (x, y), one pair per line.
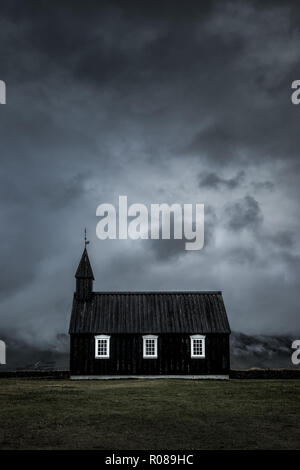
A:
(149, 414)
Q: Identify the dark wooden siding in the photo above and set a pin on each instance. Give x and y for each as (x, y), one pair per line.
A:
(126, 356)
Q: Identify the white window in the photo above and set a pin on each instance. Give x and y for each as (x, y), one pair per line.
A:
(149, 347)
(102, 347)
(197, 346)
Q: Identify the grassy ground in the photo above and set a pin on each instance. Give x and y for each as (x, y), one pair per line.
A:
(149, 414)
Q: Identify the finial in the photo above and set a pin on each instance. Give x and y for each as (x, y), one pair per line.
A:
(86, 242)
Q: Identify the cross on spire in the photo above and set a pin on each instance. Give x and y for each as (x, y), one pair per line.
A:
(86, 242)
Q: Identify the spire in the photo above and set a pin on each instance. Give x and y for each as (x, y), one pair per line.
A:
(84, 275)
(84, 270)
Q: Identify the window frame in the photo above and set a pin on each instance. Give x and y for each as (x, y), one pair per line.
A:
(107, 339)
(197, 337)
(145, 338)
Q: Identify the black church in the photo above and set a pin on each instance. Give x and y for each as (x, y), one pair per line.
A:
(146, 334)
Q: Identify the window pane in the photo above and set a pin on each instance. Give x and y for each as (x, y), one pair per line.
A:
(198, 347)
(102, 347)
(150, 347)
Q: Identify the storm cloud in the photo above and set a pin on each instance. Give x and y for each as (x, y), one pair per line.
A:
(213, 180)
(175, 104)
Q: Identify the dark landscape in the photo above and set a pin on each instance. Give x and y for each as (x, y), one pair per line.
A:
(146, 414)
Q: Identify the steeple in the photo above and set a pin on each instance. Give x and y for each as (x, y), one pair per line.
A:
(84, 275)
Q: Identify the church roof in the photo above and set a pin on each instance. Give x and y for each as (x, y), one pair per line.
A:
(150, 312)
(84, 269)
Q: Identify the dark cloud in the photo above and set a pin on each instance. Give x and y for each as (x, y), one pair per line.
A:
(242, 107)
(242, 255)
(260, 351)
(266, 185)
(244, 213)
(214, 181)
(168, 249)
(171, 250)
(284, 238)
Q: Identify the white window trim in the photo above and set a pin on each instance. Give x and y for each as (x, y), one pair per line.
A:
(107, 338)
(145, 356)
(203, 346)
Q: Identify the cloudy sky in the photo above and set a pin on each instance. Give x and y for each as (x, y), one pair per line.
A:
(185, 102)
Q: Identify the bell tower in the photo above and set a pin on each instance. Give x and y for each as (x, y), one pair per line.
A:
(84, 275)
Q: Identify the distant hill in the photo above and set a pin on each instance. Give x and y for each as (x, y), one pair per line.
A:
(261, 351)
(21, 355)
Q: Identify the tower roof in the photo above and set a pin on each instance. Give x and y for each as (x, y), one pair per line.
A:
(84, 269)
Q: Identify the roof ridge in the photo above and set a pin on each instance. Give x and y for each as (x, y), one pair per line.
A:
(160, 292)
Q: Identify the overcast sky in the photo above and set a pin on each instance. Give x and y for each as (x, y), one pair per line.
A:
(188, 104)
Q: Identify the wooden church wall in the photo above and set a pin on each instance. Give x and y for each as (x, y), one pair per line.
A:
(126, 356)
